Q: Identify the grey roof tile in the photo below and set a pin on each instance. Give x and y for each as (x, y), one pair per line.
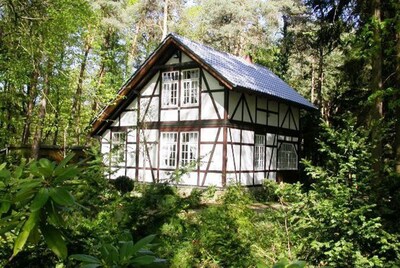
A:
(241, 73)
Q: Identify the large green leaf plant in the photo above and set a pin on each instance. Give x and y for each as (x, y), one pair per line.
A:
(33, 198)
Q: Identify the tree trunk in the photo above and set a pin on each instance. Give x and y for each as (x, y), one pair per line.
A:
(397, 109)
(32, 88)
(42, 114)
(165, 20)
(376, 111)
(77, 102)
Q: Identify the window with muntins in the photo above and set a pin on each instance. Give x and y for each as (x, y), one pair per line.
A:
(169, 142)
(118, 147)
(189, 146)
(287, 157)
(259, 151)
(170, 81)
(190, 87)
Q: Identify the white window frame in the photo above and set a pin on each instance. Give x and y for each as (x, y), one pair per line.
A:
(259, 152)
(189, 146)
(170, 89)
(287, 157)
(190, 86)
(118, 147)
(169, 149)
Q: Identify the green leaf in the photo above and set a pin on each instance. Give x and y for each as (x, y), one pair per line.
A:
(40, 199)
(61, 196)
(67, 173)
(55, 241)
(2, 166)
(281, 263)
(297, 264)
(25, 232)
(125, 251)
(85, 258)
(144, 260)
(142, 243)
(64, 162)
(90, 265)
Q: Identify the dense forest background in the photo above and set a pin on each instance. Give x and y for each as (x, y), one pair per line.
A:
(61, 61)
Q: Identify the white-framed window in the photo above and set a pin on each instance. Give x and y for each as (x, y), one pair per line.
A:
(169, 142)
(189, 147)
(287, 156)
(118, 141)
(170, 81)
(190, 87)
(259, 151)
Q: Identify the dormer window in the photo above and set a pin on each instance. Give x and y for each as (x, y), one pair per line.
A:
(187, 93)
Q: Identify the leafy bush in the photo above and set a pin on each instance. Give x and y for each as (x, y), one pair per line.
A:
(123, 184)
(335, 221)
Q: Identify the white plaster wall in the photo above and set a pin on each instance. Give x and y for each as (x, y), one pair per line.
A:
(248, 136)
(273, 106)
(212, 82)
(233, 160)
(207, 107)
(246, 178)
(145, 175)
(273, 120)
(212, 178)
(115, 123)
(189, 114)
(284, 117)
(271, 176)
(233, 101)
(262, 103)
(105, 151)
(185, 58)
(233, 135)
(106, 138)
(271, 139)
(149, 113)
(173, 60)
(128, 119)
(258, 177)
(131, 155)
(209, 134)
(189, 179)
(117, 172)
(169, 115)
(133, 105)
(149, 87)
(261, 117)
(247, 157)
(148, 135)
(251, 101)
(270, 159)
(296, 118)
(131, 135)
(131, 173)
(216, 160)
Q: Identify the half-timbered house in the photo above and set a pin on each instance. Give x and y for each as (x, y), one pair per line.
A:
(232, 120)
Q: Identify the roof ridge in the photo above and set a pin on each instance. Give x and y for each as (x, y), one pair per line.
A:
(240, 58)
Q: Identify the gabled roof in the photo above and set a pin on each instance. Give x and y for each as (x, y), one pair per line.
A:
(234, 72)
(242, 74)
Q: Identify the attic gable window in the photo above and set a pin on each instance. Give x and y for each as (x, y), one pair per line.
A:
(170, 81)
(180, 88)
(190, 87)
